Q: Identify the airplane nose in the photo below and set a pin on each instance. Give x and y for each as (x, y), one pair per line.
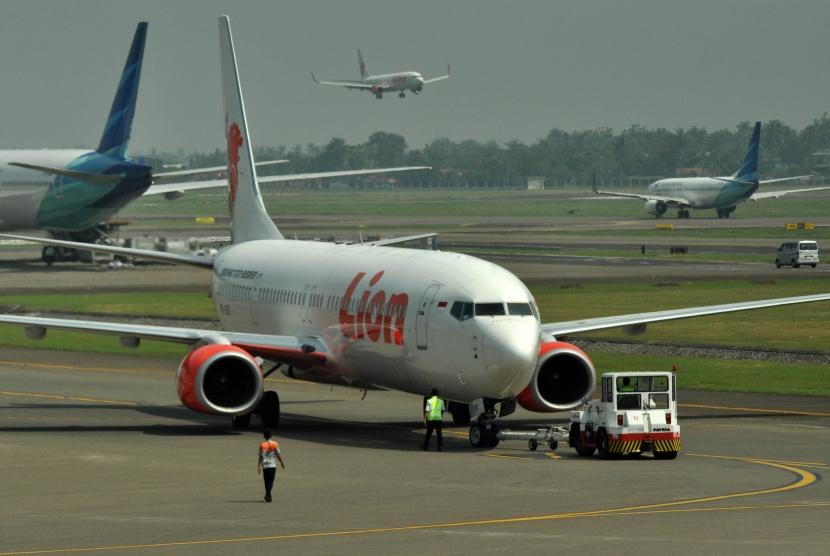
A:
(510, 351)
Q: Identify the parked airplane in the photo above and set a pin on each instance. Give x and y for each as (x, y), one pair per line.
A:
(386, 83)
(70, 192)
(719, 193)
(363, 315)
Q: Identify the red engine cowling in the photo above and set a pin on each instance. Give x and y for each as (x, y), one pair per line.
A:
(564, 377)
(219, 379)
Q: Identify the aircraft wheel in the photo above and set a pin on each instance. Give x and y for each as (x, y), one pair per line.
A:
(493, 436)
(269, 409)
(241, 421)
(602, 444)
(478, 436)
(812, 265)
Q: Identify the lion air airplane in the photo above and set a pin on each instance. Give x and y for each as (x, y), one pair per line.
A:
(386, 83)
(367, 315)
(69, 192)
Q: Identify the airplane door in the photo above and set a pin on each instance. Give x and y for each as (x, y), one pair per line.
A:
(422, 316)
(253, 299)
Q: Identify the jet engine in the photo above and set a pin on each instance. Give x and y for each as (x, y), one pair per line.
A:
(657, 208)
(219, 379)
(564, 377)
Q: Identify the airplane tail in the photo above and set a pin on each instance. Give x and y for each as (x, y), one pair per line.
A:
(749, 169)
(120, 121)
(249, 220)
(364, 73)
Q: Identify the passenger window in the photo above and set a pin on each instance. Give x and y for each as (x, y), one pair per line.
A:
(519, 309)
(489, 309)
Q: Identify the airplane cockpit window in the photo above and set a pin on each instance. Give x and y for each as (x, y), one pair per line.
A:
(520, 309)
(489, 309)
(462, 310)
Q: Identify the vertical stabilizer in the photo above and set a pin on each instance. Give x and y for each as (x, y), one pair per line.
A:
(364, 73)
(120, 121)
(249, 221)
(749, 169)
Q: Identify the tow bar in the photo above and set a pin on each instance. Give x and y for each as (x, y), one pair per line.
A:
(547, 435)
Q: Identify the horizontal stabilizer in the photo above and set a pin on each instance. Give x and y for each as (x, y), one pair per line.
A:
(88, 177)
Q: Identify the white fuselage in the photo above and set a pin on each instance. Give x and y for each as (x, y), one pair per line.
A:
(23, 190)
(701, 193)
(403, 81)
(384, 314)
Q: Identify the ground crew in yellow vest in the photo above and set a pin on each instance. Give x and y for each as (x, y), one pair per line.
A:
(269, 453)
(433, 415)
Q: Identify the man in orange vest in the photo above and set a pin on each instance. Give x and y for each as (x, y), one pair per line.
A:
(269, 453)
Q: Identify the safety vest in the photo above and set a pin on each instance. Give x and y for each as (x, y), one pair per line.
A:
(435, 409)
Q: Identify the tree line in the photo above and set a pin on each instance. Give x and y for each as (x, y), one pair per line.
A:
(633, 155)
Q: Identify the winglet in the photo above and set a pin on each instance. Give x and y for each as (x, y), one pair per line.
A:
(120, 121)
(594, 182)
(364, 73)
(249, 220)
(313, 77)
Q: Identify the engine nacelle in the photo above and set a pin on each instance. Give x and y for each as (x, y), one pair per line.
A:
(564, 377)
(656, 207)
(219, 379)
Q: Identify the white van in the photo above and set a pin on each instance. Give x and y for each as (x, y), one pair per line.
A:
(797, 253)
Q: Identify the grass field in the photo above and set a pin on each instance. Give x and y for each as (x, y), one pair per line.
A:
(461, 203)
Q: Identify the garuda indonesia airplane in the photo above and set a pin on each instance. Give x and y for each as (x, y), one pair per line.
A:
(719, 193)
(367, 316)
(70, 192)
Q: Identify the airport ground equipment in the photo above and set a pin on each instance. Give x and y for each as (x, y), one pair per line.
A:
(636, 413)
(550, 436)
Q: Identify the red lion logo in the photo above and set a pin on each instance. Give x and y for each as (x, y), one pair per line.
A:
(234, 143)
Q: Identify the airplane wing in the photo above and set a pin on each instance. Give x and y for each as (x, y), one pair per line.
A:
(636, 322)
(776, 194)
(671, 200)
(164, 188)
(434, 79)
(162, 256)
(762, 182)
(345, 83)
(292, 350)
(164, 176)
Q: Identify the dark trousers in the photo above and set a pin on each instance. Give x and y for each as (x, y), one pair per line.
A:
(433, 426)
(268, 475)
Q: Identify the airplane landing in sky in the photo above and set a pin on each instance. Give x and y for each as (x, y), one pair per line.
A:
(363, 315)
(387, 83)
(720, 193)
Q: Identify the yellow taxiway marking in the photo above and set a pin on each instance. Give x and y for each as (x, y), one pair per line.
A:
(757, 409)
(805, 479)
(505, 456)
(73, 398)
(552, 455)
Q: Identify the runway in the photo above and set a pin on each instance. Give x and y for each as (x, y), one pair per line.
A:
(97, 455)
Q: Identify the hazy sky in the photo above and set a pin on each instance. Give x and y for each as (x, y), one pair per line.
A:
(519, 68)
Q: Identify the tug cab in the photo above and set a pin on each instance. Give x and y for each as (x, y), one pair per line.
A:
(636, 413)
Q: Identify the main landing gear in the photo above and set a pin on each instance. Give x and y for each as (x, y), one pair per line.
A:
(401, 94)
(268, 410)
(683, 213)
(725, 212)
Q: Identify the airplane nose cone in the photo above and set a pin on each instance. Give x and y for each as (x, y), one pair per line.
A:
(511, 348)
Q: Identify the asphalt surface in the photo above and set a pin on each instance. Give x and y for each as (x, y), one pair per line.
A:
(96, 454)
